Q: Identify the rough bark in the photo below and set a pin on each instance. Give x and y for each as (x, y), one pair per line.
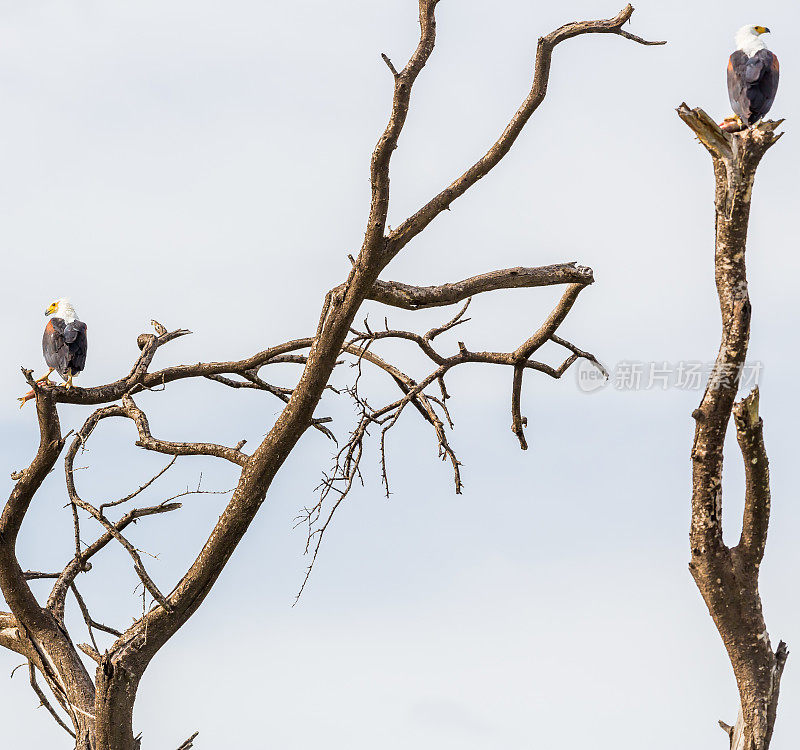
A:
(727, 577)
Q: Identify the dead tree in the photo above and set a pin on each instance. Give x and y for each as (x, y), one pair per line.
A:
(728, 576)
(98, 710)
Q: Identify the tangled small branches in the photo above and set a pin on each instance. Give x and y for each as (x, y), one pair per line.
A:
(433, 409)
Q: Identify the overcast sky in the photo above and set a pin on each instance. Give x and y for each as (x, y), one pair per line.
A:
(206, 164)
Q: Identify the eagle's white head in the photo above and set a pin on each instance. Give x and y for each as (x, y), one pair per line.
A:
(749, 39)
(62, 308)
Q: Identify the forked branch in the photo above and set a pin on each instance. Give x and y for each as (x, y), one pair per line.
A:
(411, 227)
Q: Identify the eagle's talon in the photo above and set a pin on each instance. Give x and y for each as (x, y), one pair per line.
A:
(732, 124)
(27, 397)
(45, 378)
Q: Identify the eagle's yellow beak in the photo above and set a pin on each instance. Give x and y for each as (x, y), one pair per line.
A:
(50, 310)
(761, 29)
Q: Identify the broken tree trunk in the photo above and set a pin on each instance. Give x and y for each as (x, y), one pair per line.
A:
(728, 576)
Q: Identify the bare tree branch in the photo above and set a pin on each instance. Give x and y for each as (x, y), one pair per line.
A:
(750, 434)
(80, 562)
(188, 744)
(91, 623)
(12, 637)
(35, 575)
(141, 489)
(46, 703)
(381, 156)
(409, 297)
(347, 464)
(412, 226)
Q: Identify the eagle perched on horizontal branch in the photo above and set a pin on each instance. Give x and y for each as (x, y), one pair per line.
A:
(64, 345)
(753, 73)
(64, 341)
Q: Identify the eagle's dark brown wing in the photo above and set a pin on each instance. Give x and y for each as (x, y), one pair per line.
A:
(752, 84)
(75, 336)
(64, 346)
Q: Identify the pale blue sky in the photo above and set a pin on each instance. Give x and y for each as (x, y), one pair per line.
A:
(206, 164)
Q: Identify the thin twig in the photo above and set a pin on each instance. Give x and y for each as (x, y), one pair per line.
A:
(46, 703)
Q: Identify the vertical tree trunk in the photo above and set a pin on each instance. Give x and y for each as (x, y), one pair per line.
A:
(728, 577)
(116, 693)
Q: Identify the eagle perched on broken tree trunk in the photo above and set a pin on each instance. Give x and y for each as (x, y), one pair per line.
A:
(752, 78)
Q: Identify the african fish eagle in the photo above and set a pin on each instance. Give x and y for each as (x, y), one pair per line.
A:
(752, 78)
(64, 342)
